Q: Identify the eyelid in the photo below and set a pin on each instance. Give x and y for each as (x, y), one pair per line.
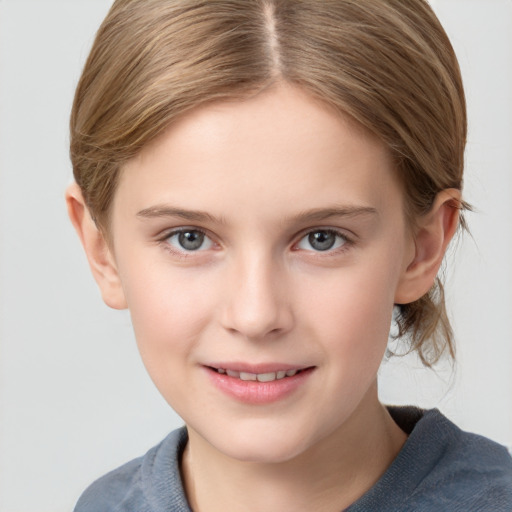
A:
(342, 231)
(168, 233)
(348, 240)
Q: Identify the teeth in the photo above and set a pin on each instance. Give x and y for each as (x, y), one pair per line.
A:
(266, 377)
(247, 376)
(260, 377)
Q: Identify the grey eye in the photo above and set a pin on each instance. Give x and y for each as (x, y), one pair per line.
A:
(322, 240)
(189, 240)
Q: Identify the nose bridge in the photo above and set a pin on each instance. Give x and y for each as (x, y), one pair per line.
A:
(258, 302)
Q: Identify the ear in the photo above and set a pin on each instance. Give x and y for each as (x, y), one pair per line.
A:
(431, 238)
(99, 254)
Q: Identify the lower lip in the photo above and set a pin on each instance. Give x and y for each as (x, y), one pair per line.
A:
(255, 392)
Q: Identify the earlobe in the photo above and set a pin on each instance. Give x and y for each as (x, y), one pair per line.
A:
(432, 236)
(98, 252)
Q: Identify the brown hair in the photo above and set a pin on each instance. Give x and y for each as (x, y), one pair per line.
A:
(386, 63)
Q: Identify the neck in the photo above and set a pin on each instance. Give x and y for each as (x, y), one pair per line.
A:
(329, 476)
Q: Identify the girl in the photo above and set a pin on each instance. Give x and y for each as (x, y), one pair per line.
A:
(262, 183)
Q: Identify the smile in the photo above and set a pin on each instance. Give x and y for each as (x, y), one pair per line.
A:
(258, 384)
(260, 377)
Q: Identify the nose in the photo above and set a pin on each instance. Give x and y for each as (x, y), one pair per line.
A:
(259, 304)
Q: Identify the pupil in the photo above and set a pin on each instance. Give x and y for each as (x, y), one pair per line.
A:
(322, 240)
(191, 240)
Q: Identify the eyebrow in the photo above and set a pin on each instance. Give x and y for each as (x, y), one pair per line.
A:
(169, 211)
(319, 214)
(313, 215)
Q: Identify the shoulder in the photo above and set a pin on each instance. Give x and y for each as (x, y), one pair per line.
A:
(472, 472)
(105, 494)
(459, 470)
(148, 483)
(442, 468)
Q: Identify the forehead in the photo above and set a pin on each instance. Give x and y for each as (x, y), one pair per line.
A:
(272, 149)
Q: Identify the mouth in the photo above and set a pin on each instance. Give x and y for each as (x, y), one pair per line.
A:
(259, 377)
(259, 384)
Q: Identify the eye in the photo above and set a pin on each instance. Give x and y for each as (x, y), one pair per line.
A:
(322, 240)
(189, 240)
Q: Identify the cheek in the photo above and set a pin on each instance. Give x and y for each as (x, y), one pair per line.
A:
(169, 309)
(352, 312)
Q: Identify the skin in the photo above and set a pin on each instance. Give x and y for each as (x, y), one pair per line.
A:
(264, 174)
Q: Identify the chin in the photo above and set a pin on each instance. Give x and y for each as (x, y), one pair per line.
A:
(261, 444)
(263, 453)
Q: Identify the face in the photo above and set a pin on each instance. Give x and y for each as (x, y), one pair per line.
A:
(260, 246)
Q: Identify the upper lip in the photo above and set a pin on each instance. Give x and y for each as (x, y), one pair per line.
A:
(258, 368)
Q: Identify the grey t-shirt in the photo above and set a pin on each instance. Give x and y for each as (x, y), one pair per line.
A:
(440, 468)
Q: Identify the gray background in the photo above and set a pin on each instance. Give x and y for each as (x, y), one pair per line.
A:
(74, 399)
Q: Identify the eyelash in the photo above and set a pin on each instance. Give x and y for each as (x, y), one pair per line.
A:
(346, 242)
(183, 253)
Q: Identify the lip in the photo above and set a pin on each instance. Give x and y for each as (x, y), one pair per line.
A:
(253, 391)
(256, 368)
